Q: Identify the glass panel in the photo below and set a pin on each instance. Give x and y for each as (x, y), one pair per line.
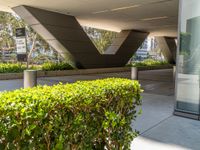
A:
(188, 87)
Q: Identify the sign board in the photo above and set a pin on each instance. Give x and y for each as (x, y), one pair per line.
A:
(21, 44)
(20, 32)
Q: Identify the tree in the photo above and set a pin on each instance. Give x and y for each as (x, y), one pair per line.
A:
(36, 44)
(9, 22)
(102, 39)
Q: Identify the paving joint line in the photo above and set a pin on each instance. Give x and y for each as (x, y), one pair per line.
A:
(142, 133)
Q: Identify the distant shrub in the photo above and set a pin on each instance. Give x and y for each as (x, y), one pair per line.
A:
(17, 68)
(149, 62)
(11, 68)
(86, 115)
(56, 66)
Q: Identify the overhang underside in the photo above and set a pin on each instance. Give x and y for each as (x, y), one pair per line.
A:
(64, 34)
(159, 17)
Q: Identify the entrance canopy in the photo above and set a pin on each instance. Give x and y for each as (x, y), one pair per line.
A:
(159, 17)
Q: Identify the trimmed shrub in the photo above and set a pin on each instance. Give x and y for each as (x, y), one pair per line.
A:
(86, 115)
(17, 68)
(56, 66)
(11, 68)
(149, 63)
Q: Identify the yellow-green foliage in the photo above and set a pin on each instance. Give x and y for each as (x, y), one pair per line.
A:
(56, 66)
(86, 115)
(17, 68)
(11, 68)
(149, 63)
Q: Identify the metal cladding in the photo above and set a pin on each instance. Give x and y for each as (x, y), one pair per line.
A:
(65, 34)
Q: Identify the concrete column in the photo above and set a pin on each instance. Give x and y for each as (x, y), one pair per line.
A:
(168, 48)
(30, 78)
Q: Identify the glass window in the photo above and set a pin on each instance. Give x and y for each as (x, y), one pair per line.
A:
(188, 87)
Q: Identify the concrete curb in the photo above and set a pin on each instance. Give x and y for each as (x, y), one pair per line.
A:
(10, 76)
(155, 67)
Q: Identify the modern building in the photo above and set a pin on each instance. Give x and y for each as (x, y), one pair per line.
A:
(59, 23)
(147, 49)
(188, 70)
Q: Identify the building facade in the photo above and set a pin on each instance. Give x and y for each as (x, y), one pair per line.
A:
(188, 66)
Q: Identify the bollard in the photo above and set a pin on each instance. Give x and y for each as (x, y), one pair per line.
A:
(134, 73)
(174, 73)
(30, 78)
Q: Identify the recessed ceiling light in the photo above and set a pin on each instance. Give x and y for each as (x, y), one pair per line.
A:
(159, 1)
(154, 18)
(126, 7)
(116, 9)
(98, 12)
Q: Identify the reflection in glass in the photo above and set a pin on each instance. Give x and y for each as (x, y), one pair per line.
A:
(188, 89)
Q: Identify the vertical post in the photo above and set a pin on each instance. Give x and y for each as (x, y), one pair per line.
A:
(134, 73)
(30, 78)
(174, 73)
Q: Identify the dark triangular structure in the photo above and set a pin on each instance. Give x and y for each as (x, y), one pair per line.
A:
(65, 34)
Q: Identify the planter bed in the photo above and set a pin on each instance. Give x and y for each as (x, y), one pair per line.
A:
(9, 76)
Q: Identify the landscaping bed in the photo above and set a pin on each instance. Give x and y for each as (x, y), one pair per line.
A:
(15, 71)
(148, 63)
(40, 73)
(143, 68)
(18, 68)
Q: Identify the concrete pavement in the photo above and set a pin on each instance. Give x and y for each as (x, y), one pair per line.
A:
(151, 81)
(161, 130)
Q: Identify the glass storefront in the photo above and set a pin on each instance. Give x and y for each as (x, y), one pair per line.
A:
(188, 75)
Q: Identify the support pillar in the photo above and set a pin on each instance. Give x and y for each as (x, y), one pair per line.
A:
(65, 34)
(168, 48)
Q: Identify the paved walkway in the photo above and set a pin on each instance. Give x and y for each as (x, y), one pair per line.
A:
(151, 81)
(159, 129)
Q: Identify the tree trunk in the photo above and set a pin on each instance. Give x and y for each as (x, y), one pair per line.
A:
(31, 50)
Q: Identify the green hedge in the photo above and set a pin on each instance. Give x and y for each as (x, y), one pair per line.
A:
(11, 68)
(86, 115)
(56, 66)
(148, 63)
(17, 68)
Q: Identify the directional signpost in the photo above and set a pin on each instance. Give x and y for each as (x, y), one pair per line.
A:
(21, 44)
(30, 76)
